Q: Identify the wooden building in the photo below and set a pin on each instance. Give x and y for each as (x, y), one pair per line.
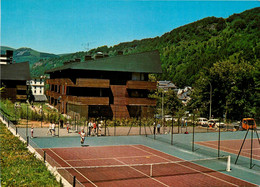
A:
(13, 78)
(112, 87)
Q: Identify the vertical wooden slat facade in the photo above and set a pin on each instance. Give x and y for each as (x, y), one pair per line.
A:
(115, 87)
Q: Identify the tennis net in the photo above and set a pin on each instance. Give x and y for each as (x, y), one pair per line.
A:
(134, 171)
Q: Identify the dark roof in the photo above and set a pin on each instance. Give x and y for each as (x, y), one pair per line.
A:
(17, 71)
(146, 62)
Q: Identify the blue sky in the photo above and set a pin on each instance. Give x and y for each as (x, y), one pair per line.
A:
(64, 26)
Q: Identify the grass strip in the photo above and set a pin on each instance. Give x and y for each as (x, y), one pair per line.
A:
(19, 167)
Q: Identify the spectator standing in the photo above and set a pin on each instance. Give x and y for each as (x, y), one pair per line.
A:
(61, 123)
(94, 128)
(49, 129)
(99, 128)
(89, 128)
(158, 128)
(68, 127)
(53, 129)
(32, 131)
(154, 128)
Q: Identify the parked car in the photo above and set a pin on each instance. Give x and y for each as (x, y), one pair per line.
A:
(202, 121)
(167, 117)
(216, 123)
(248, 123)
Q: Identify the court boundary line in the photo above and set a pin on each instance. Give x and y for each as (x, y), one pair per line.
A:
(207, 143)
(103, 158)
(142, 173)
(86, 147)
(74, 168)
(197, 170)
(228, 140)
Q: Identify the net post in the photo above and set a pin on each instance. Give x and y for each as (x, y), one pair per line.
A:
(151, 170)
(74, 181)
(219, 138)
(228, 163)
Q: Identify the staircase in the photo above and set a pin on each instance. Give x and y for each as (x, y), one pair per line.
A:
(119, 108)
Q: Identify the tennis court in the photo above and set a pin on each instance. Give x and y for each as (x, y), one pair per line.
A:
(139, 165)
(146, 160)
(233, 146)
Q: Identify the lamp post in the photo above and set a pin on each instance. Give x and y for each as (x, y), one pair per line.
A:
(162, 105)
(210, 100)
(27, 118)
(41, 110)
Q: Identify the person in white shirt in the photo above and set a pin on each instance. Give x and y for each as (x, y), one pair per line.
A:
(83, 136)
(53, 129)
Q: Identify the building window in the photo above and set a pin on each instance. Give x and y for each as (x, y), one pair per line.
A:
(40, 91)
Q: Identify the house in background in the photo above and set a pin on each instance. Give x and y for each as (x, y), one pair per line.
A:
(112, 87)
(37, 88)
(13, 78)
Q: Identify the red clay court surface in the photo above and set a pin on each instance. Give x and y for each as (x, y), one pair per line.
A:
(233, 146)
(180, 174)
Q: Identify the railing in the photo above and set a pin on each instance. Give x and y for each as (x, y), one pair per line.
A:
(81, 82)
(146, 85)
(21, 87)
(141, 101)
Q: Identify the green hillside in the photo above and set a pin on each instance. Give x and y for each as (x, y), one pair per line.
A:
(4, 48)
(187, 49)
(27, 54)
(222, 52)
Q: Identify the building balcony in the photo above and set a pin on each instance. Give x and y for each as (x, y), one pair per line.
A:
(87, 100)
(79, 100)
(21, 87)
(141, 102)
(80, 82)
(21, 97)
(144, 85)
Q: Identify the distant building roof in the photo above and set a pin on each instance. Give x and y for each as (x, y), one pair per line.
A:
(17, 71)
(165, 84)
(146, 62)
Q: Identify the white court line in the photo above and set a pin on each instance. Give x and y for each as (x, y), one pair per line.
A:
(143, 173)
(188, 167)
(74, 168)
(106, 158)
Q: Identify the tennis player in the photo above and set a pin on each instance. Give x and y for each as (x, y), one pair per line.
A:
(83, 136)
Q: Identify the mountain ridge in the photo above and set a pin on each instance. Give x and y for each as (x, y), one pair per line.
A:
(187, 50)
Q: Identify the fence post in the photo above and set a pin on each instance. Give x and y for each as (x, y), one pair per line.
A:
(74, 181)
(16, 130)
(27, 142)
(44, 156)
